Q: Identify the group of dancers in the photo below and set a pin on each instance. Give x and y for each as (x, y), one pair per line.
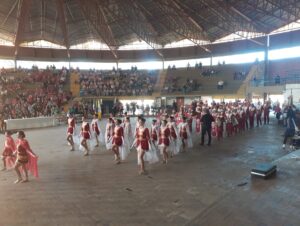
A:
(18, 155)
(119, 137)
(169, 134)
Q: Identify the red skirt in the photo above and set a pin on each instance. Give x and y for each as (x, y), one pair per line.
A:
(97, 131)
(70, 130)
(7, 152)
(86, 135)
(143, 144)
(229, 127)
(164, 141)
(117, 141)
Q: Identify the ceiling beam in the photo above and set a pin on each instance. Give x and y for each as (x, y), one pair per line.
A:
(270, 8)
(294, 9)
(136, 23)
(94, 14)
(230, 8)
(63, 23)
(69, 10)
(23, 15)
(201, 30)
(10, 12)
(219, 21)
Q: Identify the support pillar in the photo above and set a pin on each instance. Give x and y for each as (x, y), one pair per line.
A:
(16, 64)
(267, 64)
(69, 58)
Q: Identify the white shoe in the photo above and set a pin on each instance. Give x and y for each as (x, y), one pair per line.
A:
(283, 146)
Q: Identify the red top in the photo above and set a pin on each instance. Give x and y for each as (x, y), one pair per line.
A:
(142, 134)
(71, 122)
(118, 131)
(142, 138)
(164, 134)
(95, 127)
(10, 143)
(24, 143)
(85, 127)
(85, 130)
(172, 131)
(117, 136)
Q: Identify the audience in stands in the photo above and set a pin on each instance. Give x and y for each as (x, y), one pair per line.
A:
(33, 93)
(117, 83)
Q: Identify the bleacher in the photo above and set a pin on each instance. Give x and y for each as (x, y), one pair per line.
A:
(28, 93)
(205, 84)
(117, 83)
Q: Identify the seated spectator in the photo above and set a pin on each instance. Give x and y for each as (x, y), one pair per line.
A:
(220, 84)
(277, 80)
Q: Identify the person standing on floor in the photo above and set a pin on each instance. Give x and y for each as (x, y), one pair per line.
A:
(9, 149)
(206, 121)
(70, 131)
(290, 128)
(26, 159)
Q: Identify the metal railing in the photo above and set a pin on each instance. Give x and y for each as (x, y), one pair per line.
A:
(275, 81)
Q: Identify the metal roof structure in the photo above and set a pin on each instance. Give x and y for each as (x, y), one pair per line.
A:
(157, 22)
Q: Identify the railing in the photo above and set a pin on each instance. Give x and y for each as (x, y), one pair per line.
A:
(275, 81)
(206, 89)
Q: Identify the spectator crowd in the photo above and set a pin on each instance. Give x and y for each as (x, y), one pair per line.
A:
(132, 82)
(32, 93)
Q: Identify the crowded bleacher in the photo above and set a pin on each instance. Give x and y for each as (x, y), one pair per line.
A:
(33, 93)
(117, 82)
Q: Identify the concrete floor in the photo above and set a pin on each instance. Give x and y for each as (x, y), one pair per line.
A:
(207, 186)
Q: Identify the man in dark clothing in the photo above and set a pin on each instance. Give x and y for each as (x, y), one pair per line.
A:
(206, 121)
(290, 129)
(175, 108)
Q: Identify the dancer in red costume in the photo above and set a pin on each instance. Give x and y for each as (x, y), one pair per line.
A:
(109, 133)
(198, 118)
(8, 152)
(259, 111)
(117, 140)
(235, 121)
(142, 137)
(71, 130)
(174, 144)
(85, 135)
(243, 119)
(219, 126)
(95, 129)
(229, 124)
(164, 140)
(26, 159)
(128, 133)
(154, 132)
(185, 136)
